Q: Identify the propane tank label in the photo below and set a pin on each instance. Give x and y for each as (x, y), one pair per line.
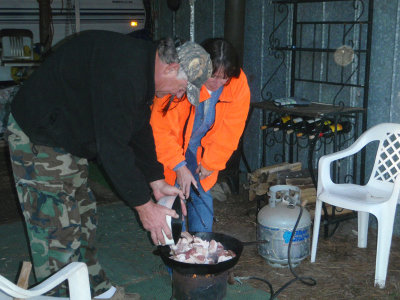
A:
(299, 236)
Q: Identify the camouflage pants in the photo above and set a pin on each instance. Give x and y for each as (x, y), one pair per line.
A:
(58, 206)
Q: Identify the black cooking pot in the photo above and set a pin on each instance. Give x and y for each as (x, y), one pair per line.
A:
(229, 243)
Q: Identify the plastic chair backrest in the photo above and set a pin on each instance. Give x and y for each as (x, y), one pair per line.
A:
(387, 160)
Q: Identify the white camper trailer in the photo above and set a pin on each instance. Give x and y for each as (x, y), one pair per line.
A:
(66, 17)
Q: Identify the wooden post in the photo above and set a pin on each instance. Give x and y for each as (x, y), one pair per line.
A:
(23, 280)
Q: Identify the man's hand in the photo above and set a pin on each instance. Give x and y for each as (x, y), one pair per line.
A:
(153, 217)
(203, 172)
(185, 178)
(161, 189)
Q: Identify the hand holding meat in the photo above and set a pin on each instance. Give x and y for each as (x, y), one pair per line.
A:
(153, 219)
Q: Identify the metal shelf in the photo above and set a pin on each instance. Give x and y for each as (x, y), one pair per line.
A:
(294, 48)
(308, 53)
(310, 57)
(306, 1)
(314, 110)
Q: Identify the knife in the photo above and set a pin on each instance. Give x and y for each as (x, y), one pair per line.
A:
(176, 224)
(196, 191)
(190, 200)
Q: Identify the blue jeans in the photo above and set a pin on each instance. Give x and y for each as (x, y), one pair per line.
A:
(200, 210)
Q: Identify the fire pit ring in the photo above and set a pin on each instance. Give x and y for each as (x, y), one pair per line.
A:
(199, 287)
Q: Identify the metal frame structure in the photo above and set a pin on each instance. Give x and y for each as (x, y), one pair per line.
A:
(326, 57)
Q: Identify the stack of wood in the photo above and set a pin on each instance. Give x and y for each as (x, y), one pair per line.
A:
(302, 180)
(262, 179)
(281, 174)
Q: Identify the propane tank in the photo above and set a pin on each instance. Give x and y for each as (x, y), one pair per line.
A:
(275, 223)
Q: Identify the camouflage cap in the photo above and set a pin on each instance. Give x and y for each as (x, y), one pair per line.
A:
(196, 63)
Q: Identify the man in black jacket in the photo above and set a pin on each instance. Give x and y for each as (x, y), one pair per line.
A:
(90, 100)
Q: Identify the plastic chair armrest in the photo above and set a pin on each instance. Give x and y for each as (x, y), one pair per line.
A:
(324, 164)
(75, 271)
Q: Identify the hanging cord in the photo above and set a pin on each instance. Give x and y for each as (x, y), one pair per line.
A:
(306, 280)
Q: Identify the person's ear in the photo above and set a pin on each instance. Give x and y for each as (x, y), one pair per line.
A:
(173, 67)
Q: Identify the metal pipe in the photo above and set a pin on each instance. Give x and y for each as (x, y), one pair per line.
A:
(77, 16)
(234, 25)
(174, 24)
(192, 11)
(45, 24)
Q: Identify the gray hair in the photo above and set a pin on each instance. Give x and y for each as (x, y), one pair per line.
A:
(168, 54)
(167, 51)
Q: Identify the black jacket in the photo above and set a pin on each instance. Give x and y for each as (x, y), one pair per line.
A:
(91, 97)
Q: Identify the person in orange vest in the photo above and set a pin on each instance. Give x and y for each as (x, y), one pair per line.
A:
(195, 139)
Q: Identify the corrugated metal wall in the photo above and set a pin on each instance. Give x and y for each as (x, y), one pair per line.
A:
(259, 64)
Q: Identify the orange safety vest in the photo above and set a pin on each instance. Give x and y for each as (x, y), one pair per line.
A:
(173, 130)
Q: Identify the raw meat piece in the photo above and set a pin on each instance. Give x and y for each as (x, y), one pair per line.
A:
(194, 250)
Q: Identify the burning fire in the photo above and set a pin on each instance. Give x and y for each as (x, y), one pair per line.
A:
(206, 276)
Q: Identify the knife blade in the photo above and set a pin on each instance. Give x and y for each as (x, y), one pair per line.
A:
(195, 190)
(176, 224)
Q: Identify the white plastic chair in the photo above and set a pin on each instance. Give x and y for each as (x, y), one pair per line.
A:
(78, 281)
(378, 197)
